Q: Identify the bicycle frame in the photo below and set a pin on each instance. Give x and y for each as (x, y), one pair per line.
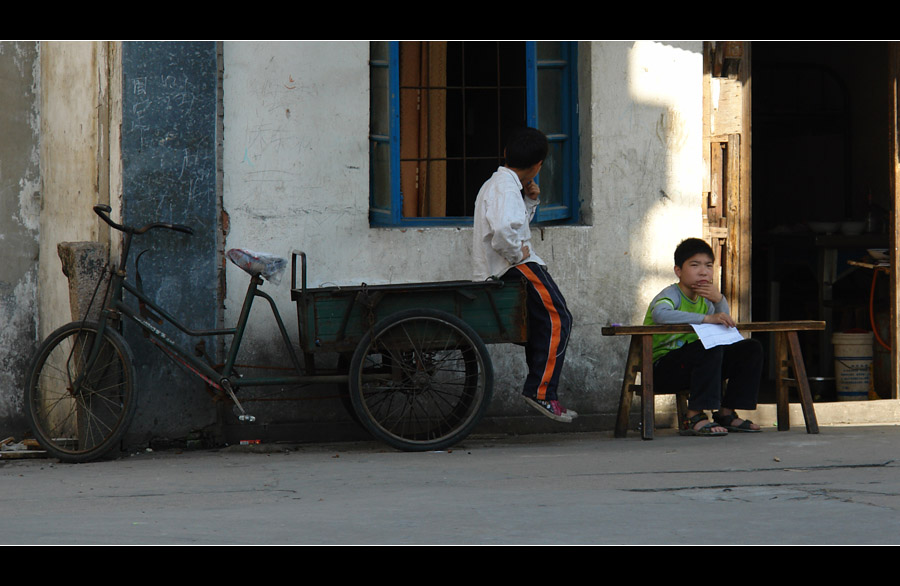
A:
(225, 380)
(419, 375)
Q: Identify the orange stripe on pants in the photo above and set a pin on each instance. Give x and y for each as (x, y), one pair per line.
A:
(556, 329)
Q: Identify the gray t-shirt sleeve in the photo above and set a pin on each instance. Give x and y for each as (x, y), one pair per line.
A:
(663, 309)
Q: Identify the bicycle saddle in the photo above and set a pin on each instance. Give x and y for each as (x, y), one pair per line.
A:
(267, 266)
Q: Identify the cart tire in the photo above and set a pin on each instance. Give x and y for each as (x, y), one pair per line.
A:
(84, 424)
(420, 380)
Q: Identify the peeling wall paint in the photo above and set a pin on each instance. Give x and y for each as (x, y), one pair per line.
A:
(20, 191)
(72, 159)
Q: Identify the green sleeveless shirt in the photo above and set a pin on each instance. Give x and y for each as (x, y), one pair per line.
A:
(673, 297)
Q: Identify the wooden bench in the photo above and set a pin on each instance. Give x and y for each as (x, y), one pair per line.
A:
(788, 357)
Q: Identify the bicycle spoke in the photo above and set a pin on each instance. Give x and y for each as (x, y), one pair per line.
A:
(430, 381)
(79, 404)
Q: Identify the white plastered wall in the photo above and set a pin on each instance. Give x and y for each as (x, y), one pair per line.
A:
(296, 177)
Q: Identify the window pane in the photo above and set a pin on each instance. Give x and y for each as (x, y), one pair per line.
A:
(455, 124)
(380, 102)
(480, 64)
(512, 58)
(443, 130)
(481, 123)
(379, 51)
(379, 125)
(555, 109)
(379, 92)
(551, 177)
(549, 50)
(550, 100)
(381, 175)
(513, 112)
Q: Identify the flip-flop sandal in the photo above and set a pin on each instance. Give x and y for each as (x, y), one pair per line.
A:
(688, 423)
(727, 420)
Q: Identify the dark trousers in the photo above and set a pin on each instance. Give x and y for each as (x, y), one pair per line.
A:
(549, 325)
(702, 371)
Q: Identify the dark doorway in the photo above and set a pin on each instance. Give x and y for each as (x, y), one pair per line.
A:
(821, 191)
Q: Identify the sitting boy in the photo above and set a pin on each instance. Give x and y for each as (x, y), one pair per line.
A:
(502, 249)
(680, 361)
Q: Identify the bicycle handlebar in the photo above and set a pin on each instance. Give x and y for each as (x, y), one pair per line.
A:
(103, 210)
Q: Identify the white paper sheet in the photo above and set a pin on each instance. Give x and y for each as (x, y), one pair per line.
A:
(712, 335)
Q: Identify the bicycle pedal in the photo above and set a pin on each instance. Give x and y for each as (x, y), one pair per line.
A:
(246, 418)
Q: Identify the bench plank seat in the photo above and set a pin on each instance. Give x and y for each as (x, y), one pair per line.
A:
(788, 358)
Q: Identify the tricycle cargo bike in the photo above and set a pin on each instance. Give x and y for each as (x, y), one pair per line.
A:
(414, 360)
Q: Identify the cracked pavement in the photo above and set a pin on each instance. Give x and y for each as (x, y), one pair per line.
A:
(841, 486)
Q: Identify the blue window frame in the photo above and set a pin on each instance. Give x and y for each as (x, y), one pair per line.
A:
(439, 113)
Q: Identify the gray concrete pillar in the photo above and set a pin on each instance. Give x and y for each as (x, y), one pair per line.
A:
(84, 263)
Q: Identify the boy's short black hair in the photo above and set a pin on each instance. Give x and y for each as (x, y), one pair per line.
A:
(690, 247)
(525, 148)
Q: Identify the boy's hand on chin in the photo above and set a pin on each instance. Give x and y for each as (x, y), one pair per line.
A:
(708, 290)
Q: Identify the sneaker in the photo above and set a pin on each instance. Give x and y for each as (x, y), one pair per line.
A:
(551, 409)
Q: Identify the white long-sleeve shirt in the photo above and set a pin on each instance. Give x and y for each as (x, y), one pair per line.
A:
(501, 228)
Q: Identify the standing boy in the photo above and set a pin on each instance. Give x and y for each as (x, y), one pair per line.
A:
(502, 249)
(680, 361)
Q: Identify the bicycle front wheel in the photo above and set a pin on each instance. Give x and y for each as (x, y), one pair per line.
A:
(77, 414)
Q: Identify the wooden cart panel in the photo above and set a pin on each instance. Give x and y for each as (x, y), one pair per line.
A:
(334, 319)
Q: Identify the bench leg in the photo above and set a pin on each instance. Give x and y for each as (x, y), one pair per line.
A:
(789, 356)
(806, 402)
(632, 366)
(681, 407)
(781, 393)
(648, 403)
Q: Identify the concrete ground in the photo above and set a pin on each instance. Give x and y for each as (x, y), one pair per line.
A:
(841, 486)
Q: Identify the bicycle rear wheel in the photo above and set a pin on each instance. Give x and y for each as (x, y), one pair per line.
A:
(78, 415)
(421, 380)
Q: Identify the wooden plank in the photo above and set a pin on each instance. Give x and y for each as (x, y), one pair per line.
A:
(335, 318)
(728, 108)
(718, 231)
(716, 183)
(707, 116)
(746, 219)
(761, 326)
(894, 129)
(726, 152)
(735, 251)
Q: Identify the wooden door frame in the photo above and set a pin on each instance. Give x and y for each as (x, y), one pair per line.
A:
(730, 229)
(894, 117)
(726, 142)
